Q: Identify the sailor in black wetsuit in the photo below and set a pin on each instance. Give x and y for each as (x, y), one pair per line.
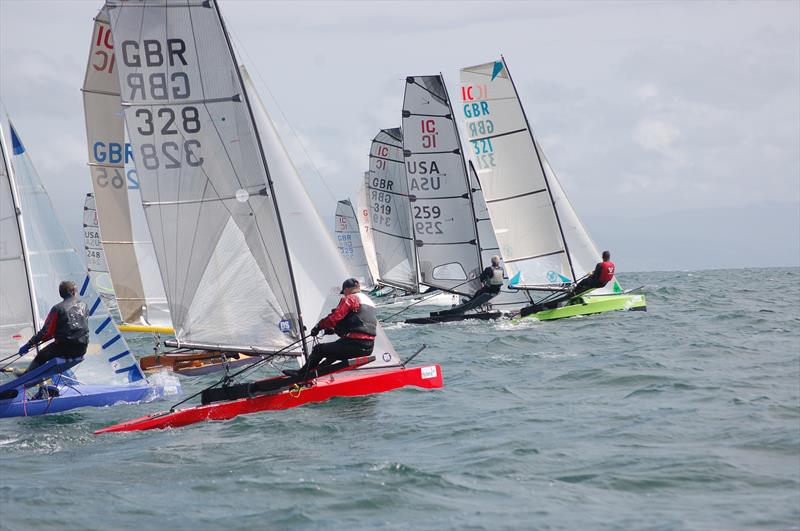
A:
(492, 278)
(67, 324)
(355, 322)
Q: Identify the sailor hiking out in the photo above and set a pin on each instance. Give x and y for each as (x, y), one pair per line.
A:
(492, 278)
(67, 325)
(602, 275)
(355, 322)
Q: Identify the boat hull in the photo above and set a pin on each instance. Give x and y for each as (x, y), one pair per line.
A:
(195, 364)
(433, 319)
(72, 397)
(589, 305)
(353, 383)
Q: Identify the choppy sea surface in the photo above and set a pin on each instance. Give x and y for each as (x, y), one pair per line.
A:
(683, 417)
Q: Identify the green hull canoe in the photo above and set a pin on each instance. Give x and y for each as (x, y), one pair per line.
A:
(587, 305)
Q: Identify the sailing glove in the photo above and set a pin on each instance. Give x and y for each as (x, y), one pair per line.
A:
(314, 331)
(24, 349)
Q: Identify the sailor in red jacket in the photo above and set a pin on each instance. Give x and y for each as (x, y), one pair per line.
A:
(355, 322)
(602, 275)
(67, 325)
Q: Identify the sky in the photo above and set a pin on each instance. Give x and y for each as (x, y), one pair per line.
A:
(674, 127)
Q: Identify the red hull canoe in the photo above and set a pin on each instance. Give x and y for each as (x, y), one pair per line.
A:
(351, 383)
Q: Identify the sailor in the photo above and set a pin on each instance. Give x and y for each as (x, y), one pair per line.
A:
(602, 275)
(492, 278)
(67, 325)
(355, 322)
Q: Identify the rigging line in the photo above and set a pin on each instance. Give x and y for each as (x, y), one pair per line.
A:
(283, 115)
(428, 297)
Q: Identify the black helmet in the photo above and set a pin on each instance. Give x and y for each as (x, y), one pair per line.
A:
(349, 283)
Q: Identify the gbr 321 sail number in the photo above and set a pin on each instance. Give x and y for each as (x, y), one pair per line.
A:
(172, 123)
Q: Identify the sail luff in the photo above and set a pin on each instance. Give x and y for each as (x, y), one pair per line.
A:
(544, 173)
(287, 254)
(21, 228)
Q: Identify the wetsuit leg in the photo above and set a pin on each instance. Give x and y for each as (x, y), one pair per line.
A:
(57, 350)
(339, 350)
(587, 284)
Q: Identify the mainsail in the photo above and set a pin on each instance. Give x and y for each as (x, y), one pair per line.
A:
(348, 240)
(203, 180)
(31, 232)
(441, 202)
(231, 273)
(390, 212)
(126, 244)
(535, 225)
(362, 217)
(96, 263)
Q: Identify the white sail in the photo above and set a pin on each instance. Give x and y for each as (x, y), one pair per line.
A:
(512, 178)
(583, 251)
(348, 240)
(318, 266)
(52, 259)
(204, 183)
(19, 316)
(362, 217)
(540, 236)
(441, 203)
(95, 256)
(127, 247)
(390, 212)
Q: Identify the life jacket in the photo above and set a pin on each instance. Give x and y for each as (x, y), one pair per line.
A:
(606, 271)
(497, 277)
(364, 321)
(72, 323)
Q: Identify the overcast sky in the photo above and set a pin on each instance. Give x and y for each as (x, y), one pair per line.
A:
(674, 127)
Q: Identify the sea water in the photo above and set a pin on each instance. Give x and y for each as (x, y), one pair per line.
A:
(683, 417)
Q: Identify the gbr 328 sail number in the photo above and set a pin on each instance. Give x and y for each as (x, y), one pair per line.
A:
(172, 123)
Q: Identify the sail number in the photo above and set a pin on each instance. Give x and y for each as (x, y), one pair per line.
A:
(427, 213)
(167, 122)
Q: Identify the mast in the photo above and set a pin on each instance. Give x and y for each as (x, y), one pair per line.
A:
(21, 227)
(300, 324)
(469, 184)
(544, 174)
